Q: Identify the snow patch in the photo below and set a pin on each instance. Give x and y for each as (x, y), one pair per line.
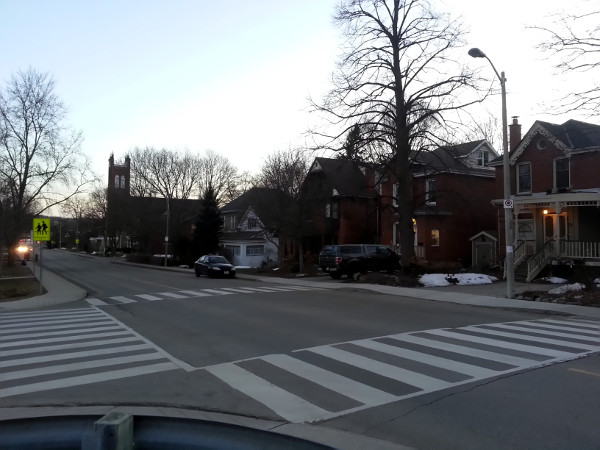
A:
(460, 279)
(567, 288)
(555, 280)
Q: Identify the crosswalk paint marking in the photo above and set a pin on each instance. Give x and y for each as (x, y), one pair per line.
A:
(579, 323)
(239, 290)
(463, 350)
(49, 370)
(508, 326)
(539, 325)
(48, 348)
(195, 293)
(45, 322)
(148, 297)
(449, 364)
(62, 339)
(122, 299)
(59, 333)
(217, 291)
(526, 337)
(74, 355)
(338, 383)
(36, 319)
(285, 404)
(86, 379)
(96, 302)
(258, 289)
(99, 322)
(172, 295)
(44, 314)
(418, 380)
(502, 344)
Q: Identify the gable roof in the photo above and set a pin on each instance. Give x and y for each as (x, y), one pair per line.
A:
(453, 159)
(346, 178)
(573, 136)
(250, 197)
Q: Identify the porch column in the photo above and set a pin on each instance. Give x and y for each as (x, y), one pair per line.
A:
(557, 209)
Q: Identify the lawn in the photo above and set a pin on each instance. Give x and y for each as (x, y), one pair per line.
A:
(17, 282)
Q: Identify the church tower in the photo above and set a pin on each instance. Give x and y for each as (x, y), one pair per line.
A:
(119, 175)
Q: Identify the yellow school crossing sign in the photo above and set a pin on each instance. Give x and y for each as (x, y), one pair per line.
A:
(41, 229)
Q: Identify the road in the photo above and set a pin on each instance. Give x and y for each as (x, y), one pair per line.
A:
(404, 370)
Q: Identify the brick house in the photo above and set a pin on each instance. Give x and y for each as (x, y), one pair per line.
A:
(452, 192)
(555, 186)
(339, 204)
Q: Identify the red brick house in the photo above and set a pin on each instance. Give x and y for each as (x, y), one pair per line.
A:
(339, 204)
(452, 192)
(555, 186)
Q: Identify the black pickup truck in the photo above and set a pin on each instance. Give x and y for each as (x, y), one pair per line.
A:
(348, 259)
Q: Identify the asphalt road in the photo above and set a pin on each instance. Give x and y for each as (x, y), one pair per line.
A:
(404, 370)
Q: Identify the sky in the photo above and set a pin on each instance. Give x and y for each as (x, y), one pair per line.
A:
(233, 77)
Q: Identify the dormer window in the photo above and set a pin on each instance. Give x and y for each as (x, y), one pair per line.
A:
(482, 158)
(252, 223)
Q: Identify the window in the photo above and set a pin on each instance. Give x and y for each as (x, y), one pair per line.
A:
(435, 238)
(331, 210)
(561, 173)
(395, 194)
(122, 181)
(524, 177)
(233, 249)
(253, 223)
(255, 250)
(482, 157)
(116, 181)
(430, 192)
(230, 222)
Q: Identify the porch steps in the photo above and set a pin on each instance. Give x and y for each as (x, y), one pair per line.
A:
(521, 271)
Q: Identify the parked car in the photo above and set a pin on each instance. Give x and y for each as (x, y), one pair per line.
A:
(338, 260)
(214, 266)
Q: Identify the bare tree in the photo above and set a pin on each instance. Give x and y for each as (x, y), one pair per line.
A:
(280, 180)
(574, 42)
(396, 78)
(218, 173)
(164, 173)
(41, 164)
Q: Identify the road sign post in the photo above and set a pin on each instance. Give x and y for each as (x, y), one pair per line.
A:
(41, 232)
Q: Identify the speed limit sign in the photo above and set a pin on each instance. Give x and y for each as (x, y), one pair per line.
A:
(508, 204)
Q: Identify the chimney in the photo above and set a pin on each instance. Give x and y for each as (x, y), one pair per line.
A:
(515, 133)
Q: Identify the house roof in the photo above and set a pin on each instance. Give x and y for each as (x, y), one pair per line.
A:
(346, 177)
(452, 158)
(573, 136)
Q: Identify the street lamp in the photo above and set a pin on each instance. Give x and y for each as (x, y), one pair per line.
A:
(508, 216)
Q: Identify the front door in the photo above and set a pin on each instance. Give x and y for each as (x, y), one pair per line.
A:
(555, 228)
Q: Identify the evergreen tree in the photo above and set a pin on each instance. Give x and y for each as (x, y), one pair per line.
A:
(208, 232)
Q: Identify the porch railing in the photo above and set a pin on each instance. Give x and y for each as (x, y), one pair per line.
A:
(579, 249)
(524, 250)
(538, 261)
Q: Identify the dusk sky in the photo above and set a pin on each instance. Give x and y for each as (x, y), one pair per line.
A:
(233, 77)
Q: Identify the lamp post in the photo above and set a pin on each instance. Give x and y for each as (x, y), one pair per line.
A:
(168, 213)
(508, 215)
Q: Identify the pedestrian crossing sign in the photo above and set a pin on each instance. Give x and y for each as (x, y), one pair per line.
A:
(41, 229)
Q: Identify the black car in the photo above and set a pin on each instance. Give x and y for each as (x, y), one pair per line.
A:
(338, 260)
(214, 266)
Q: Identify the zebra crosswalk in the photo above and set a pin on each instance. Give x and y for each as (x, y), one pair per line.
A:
(327, 381)
(40, 351)
(189, 294)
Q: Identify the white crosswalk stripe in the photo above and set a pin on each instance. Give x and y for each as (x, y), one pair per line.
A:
(47, 350)
(409, 361)
(190, 294)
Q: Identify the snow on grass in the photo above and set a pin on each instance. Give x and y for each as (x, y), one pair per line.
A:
(460, 279)
(566, 288)
(555, 280)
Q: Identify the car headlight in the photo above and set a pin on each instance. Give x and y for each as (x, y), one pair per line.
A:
(21, 249)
